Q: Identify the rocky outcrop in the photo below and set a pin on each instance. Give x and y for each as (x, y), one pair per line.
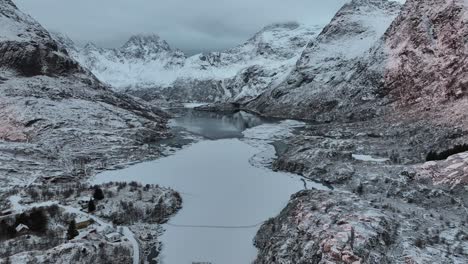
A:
(56, 115)
(317, 227)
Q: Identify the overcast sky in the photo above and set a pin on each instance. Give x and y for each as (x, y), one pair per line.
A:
(190, 25)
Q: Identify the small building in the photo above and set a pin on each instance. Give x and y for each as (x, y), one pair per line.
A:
(83, 202)
(21, 228)
(82, 223)
(6, 212)
(114, 237)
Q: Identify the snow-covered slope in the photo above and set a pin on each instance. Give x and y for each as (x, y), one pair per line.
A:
(418, 64)
(147, 66)
(53, 112)
(318, 83)
(138, 63)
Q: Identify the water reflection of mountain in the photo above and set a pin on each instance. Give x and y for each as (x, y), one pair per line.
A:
(216, 125)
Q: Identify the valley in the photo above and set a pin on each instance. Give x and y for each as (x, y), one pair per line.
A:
(336, 143)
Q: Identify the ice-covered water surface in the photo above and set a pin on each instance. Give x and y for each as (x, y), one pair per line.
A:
(223, 192)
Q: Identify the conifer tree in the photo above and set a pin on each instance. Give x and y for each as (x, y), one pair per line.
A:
(72, 232)
(91, 206)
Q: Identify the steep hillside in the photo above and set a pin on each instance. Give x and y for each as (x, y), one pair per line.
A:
(318, 85)
(56, 118)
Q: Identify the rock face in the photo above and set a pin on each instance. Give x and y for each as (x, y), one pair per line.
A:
(316, 228)
(55, 114)
(147, 65)
(320, 82)
(428, 51)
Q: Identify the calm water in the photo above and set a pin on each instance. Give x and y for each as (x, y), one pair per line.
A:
(214, 125)
(225, 196)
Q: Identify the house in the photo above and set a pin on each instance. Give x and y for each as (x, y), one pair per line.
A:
(6, 212)
(21, 229)
(83, 202)
(82, 223)
(114, 237)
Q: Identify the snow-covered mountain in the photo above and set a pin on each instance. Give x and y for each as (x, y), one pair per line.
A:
(364, 65)
(53, 112)
(140, 61)
(146, 65)
(319, 83)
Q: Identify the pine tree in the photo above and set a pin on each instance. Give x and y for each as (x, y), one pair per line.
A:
(91, 206)
(72, 232)
(98, 194)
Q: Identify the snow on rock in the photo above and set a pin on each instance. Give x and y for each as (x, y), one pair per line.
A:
(451, 172)
(316, 228)
(368, 158)
(148, 67)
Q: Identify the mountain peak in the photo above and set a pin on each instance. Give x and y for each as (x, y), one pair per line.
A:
(149, 41)
(91, 46)
(389, 4)
(290, 25)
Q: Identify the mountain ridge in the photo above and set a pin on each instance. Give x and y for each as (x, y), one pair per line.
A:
(273, 47)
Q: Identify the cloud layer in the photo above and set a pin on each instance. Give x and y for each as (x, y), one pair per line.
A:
(191, 25)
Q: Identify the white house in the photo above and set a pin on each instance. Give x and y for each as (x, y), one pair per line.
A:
(21, 228)
(114, 237)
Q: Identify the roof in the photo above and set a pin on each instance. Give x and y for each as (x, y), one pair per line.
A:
(21, 227)
(81, 219)
(84, 199)
(113, 235)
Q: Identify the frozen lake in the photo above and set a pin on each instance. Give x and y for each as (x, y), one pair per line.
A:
(226, 190)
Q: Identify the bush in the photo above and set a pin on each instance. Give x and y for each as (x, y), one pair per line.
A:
(433, 155)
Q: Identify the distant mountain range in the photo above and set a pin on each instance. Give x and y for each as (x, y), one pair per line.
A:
(147, 65)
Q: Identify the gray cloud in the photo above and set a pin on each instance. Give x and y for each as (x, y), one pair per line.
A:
(191, 25)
